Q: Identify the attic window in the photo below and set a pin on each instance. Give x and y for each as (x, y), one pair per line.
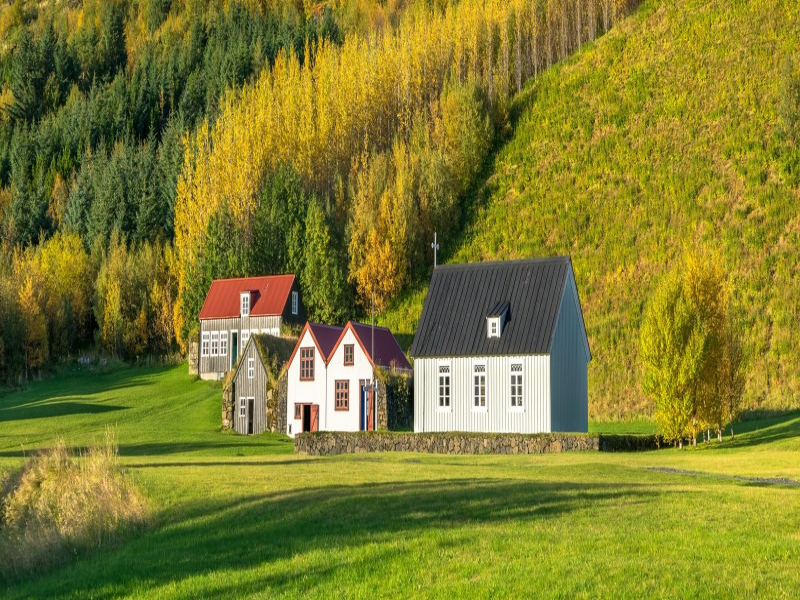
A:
(245, 304)
(294, 303)
(496, 320)
(494, 327)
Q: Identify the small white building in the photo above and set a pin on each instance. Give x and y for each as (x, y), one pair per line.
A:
(330, 373)
(502, 347)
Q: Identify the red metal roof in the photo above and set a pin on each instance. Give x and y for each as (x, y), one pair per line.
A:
(387, 351)
(268, 296)
(326, 337)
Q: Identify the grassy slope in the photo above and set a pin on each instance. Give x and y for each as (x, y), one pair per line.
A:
(661, 135)
(271, 524)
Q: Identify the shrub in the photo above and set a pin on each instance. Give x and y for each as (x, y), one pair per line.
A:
(58, 505)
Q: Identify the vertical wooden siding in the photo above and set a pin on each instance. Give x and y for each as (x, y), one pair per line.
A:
(256, 388)
(568, 366)
(222, 364)
(535, 418)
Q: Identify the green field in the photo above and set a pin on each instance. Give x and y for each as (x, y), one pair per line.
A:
(239, 516)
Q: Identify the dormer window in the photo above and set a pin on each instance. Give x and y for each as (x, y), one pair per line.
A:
(496, 320)
(494, 327)
(245, 304)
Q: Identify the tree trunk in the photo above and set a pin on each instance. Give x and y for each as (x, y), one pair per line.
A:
(680, 443)
(732, 431)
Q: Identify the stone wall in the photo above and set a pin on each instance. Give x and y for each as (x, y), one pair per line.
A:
(330, 443)
(227, 407)
(276, 405)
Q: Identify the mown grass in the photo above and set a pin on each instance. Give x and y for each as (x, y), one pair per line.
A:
(663, 134)
(271, 524)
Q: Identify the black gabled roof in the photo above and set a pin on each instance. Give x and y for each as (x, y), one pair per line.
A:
(460, 297)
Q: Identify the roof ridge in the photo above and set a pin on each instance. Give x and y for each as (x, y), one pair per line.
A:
(494, 263)
(253, 277)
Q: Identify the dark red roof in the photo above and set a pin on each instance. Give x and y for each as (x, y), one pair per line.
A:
(326, 337)
(269, 296)
(387, 351)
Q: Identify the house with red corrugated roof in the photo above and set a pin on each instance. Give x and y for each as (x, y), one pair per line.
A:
(331, 373)
(234, 309)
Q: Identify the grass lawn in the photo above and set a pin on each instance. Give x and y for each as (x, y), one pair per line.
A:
(239, 516)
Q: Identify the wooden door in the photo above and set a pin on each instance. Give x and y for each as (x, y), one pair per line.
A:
(315, 417)
(250, 411)
(370, 399)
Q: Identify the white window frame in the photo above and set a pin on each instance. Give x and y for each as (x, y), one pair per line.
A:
(516, 402)
(295, 302)
(251, 368)
(242, 407)
(245, 335)
(205, 343)
(476, 372)
(244, 304)
(493, 327)
(215, 343)
(440, 386)
(223, 343)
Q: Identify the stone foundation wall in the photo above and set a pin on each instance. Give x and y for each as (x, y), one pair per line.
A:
(330, 443)
(227, 407)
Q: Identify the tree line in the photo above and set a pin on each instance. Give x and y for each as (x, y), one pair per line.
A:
(161, 144)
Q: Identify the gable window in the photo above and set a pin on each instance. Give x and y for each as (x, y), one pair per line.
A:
(306, 364)
(479, 387)
(242, 407)
(245, 337)
(298, 411)
(214, 343)
(223, 343)
(204, 344)
(295, 303)
(349, 354)
(516, 386)
(251, 368)
(493, 324)
(444, 387)
(245, 303)
(342, 395)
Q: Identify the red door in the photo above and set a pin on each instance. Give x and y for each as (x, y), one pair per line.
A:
(370, 422)
(314, 417)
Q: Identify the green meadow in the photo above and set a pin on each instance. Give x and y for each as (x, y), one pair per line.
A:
(243, 516)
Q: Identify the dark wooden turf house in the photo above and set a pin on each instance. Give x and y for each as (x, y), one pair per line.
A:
(254, 386)
(502, 347)
(235, 309)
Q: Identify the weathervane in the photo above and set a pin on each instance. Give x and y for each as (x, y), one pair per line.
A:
(435, 247)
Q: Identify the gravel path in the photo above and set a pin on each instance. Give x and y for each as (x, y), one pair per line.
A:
(756, 480)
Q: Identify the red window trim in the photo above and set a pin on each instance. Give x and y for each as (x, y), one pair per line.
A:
(345, 405)
(352, 360)
(298, 411)
(308, 358)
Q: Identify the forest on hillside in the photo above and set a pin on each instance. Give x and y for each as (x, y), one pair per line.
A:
(149, 146)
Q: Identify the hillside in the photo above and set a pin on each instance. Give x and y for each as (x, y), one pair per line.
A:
(663, 134)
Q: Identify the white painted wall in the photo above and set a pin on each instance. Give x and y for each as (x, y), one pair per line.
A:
(337, 420)
(499, 416)
(305, 392)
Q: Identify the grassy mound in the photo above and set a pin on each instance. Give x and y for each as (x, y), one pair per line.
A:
(58, 505)
(668, 132)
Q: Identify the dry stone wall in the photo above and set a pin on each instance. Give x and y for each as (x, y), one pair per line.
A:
(330, 443)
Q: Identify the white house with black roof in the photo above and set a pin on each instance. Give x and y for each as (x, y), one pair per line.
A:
(502, 347)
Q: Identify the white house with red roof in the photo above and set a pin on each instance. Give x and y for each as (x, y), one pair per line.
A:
(236, 308)
(330, 374)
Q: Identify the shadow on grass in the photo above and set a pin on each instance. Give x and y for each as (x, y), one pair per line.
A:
(219, 539)
(54, 408)
(764, 431)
